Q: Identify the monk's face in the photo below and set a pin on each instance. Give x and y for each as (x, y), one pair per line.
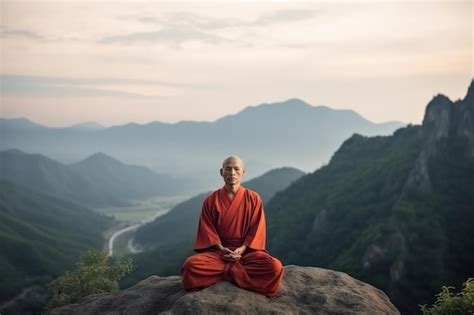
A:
(232, 171)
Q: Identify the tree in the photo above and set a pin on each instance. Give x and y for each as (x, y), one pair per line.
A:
(96, 272)
(450, 303)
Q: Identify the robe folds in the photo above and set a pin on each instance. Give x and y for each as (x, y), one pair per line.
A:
(232, 223)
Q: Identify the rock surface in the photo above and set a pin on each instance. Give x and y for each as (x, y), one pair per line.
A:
(305, 290)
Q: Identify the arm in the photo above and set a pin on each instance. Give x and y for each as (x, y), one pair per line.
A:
(207, 235)
(256, 234)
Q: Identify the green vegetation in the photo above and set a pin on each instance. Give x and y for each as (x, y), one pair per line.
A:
(366, 214)
(133, 216)
(142, 210)
(449, 303)
(41, 237)
(98, 181)
(95, 273)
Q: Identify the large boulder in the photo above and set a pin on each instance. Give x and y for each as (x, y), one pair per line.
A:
(305, 290)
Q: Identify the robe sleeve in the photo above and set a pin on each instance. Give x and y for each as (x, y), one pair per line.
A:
(256, 234)
(207, 235)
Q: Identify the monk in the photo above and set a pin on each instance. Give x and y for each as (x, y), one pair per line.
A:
(230, 242)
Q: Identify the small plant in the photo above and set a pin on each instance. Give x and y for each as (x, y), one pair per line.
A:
(95, 272)
(447, 302)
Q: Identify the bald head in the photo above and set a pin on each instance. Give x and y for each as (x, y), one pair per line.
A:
(233, 158)
(232, 171)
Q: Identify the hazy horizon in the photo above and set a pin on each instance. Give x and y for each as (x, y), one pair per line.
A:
(173, 122)
(111, 62)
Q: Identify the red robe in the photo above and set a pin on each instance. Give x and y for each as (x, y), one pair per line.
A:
(232, 223)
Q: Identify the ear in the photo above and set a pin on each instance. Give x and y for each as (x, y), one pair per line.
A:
(221, 172)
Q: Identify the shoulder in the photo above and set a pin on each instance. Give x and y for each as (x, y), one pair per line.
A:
(211, 197)
(252, 195)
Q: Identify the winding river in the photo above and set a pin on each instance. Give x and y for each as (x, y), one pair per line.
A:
(116, 234)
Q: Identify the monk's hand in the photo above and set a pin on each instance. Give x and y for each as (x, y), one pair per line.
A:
(224, 250)
(232, 257)
(239, 251)
(236, 254)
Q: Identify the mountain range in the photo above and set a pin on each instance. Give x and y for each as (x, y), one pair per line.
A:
(97, 181)
(267, 136)
(394, 211)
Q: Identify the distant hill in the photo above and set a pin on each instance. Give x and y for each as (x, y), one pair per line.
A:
(126, 181)
(172, 235)
(18, 123)
(394, 211)
(48, 176)
(90, 125)
(267, 135)
(98, 181)
(41, 237)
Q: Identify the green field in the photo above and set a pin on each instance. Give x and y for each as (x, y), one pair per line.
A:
(142, 210)
(133, 215)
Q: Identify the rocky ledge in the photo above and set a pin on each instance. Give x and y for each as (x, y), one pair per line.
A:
(305, 290)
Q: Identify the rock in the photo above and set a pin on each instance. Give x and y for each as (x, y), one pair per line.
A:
(445, 123)
(305, 290)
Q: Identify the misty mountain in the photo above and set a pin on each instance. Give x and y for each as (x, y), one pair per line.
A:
(172, 235)
(41, 237)
(266, 136)
(126, 181)
(17, 123)
(98, 181)
(394, 211)
(90, 125)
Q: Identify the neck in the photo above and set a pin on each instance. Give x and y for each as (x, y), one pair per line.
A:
(232, 188)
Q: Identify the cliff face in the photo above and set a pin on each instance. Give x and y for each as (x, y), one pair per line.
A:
(445, 123)
(444, 165)
(305, 290)
(384, 208)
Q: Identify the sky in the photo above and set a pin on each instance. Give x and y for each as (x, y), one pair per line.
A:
(114, 62)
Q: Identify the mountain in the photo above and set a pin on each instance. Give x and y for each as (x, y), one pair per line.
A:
(18, 123)
(98, 181)
(41, 237)
(269, 135)
(394, 211)
(90, 125)
(126, 181)
(48, 176)
(170, 237)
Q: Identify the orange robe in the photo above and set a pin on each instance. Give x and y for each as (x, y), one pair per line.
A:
(232, 223)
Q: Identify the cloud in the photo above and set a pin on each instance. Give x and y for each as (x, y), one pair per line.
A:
(18, 33)
(196, 21)
(174, 35)
(180, 27)
(284, 16)
(42, 86)
(211, 23)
